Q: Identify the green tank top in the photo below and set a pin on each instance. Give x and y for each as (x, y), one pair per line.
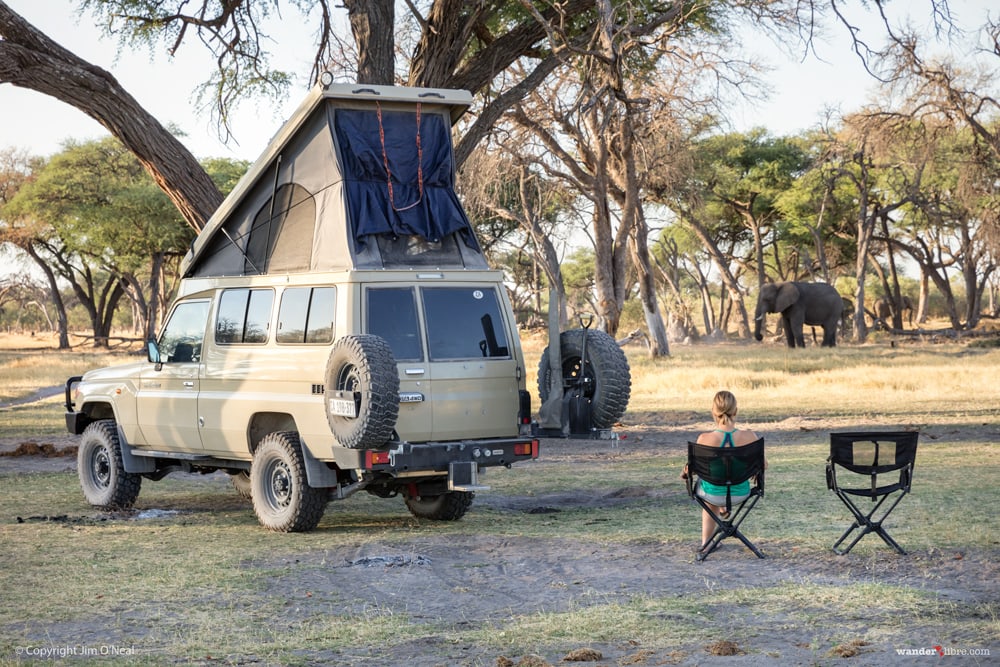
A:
(741, 489)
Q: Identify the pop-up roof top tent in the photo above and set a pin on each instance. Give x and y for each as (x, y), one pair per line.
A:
(359, 177)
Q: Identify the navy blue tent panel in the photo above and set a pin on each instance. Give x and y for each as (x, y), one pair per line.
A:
(431, 210)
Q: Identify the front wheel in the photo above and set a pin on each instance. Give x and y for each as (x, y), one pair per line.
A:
(102, 474)
(450, 506)
(282, 498)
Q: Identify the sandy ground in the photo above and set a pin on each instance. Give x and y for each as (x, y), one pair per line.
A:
(465, 581)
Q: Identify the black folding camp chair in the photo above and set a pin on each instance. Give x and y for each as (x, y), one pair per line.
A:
(886, 459)
(727, 466)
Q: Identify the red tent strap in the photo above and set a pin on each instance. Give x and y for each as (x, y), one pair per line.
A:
(385, 161)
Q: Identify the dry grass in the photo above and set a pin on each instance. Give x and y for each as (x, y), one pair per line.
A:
(28, 364)
(198, 586)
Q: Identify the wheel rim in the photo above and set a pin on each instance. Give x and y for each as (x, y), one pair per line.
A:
(100, 468)
(573, 376)
(279, 485)
(348, 378)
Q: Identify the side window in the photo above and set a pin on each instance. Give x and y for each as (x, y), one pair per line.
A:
(464, 323)
(182, 336)
(306, 315)
(392, 314)
(243, 316)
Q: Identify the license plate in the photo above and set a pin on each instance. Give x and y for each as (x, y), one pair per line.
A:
(343, 408)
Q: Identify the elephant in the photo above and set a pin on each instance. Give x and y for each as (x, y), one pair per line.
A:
(815, 304)
(883, 310)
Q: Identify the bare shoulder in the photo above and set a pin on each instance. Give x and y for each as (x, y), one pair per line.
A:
(710, 438)
(744, 437)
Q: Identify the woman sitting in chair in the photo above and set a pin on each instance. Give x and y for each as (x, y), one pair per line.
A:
(726, 435)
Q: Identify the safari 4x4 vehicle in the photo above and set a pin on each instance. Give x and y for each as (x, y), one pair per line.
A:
(337, 329)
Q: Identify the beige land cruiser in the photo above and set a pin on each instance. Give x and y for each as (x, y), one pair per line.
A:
(337, 329)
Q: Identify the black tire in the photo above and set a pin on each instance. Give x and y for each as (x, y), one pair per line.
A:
(282, 498)
(363, 365)
(609, 378)
(241, 482)
(102, 474)
(449, 506)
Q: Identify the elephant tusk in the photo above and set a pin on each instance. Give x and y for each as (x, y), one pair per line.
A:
(759, 318)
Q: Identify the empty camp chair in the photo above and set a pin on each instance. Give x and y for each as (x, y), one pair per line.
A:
(727, 466)
(885, 459)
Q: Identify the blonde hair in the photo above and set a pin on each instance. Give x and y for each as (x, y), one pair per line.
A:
(724, 406)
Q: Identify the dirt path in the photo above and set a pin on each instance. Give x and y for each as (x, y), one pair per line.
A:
(40, 395)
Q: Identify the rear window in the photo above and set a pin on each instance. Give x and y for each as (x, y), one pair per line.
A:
(464, 323)
(392, 314)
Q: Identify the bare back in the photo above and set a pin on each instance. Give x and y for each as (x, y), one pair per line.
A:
(715, 438)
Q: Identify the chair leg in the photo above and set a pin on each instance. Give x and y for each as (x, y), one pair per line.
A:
(729, 528)
(864, 522)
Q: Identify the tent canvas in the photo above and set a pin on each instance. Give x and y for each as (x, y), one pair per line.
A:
(357, 178)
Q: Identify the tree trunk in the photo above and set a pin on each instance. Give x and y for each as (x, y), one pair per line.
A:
(373, 26)
(729, 281)
(61, 317)
(923, 298)
(659, 346)
(29, 59)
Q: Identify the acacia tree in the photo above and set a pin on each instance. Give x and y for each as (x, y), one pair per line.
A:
(93, 217)
(965, 195)
(882, 182)
(16, 169)
(951, 220)
(503, 184)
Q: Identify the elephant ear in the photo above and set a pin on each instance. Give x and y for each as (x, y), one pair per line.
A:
(788, 294)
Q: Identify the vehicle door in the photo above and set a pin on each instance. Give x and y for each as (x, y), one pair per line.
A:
(239, 375)
(167, 398)
(472, 367)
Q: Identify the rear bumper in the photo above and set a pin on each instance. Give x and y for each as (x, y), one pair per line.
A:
(407, 458)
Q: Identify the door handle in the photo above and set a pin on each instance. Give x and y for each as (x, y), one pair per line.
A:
(188, 384)
(414, 371)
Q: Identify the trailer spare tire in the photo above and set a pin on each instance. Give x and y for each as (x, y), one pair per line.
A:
(362, 391)
(606, 374)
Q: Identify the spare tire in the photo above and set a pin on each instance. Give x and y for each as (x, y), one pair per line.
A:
(607, 379)
(362, 391)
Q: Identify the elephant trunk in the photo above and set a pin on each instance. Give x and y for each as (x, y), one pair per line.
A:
(758, 323)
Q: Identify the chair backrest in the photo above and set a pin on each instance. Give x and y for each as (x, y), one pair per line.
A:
(873, 452)
(725, 466)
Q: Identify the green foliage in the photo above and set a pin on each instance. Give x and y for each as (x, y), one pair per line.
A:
(101, 203)
(225, 173)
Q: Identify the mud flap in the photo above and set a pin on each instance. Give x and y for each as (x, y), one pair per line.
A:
(318, 474)
(132, 463)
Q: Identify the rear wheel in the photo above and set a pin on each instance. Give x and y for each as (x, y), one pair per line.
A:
(241, 482)
(282, 498)
(102, 474)
(449, 506)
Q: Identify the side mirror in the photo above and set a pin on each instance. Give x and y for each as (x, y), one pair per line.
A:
(153, 354)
